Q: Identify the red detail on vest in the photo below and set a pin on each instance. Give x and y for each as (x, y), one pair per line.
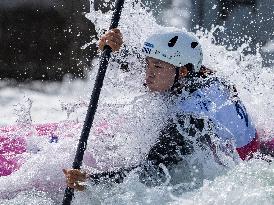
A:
(246, 151)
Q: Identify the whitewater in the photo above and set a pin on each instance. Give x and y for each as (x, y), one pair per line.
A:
(130, 117)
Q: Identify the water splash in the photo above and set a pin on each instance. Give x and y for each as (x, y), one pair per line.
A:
(127, 110)
(23, 112)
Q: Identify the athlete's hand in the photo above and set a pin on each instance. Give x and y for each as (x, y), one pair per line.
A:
(113, 38)
(73, 177)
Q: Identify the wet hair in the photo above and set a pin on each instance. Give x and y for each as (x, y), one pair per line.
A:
(191, 71)
(204, 72)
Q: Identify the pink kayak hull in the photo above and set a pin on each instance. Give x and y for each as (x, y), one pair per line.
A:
(13, 142)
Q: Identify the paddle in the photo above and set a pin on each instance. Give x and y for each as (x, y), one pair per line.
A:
(69, 192)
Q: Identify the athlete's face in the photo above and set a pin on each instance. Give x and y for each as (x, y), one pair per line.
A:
(159, 75)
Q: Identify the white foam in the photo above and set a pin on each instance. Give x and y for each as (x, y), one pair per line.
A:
(124, 100)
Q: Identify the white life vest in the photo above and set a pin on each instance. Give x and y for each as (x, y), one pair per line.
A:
(229, 116)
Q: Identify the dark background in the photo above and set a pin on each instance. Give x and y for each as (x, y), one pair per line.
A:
(42, 39)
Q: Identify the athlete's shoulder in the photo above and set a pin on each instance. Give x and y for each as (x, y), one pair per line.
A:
(207, 96)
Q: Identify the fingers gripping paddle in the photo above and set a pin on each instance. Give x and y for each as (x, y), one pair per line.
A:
(69, 192)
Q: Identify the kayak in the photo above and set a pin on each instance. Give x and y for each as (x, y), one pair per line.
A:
(13, 140)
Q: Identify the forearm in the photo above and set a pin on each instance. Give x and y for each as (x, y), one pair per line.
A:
(111, 176)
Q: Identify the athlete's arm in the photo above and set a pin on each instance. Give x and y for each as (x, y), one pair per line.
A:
(75, 176)
(111, 176)
(175, 141)
(168, 151)
(165, 152)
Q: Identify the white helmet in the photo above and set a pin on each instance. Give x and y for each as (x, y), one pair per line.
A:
(177, 48)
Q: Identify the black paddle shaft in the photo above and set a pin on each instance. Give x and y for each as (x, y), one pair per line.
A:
(69, 192)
